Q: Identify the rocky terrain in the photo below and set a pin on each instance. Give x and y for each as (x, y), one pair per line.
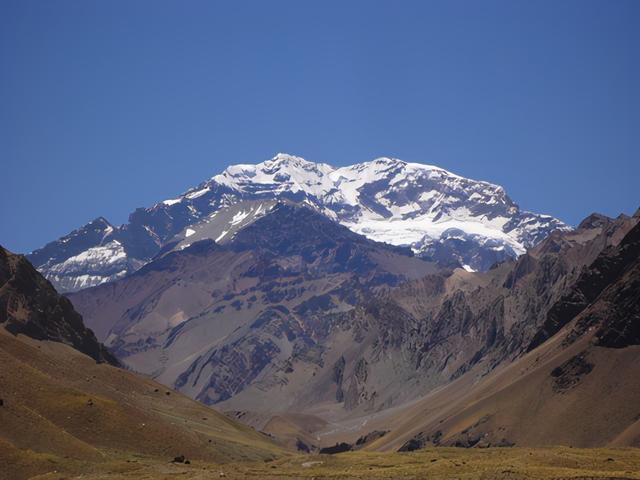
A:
(447, 218)
(572, 380)
(255, 315)
(327, 341)
(29, 305)
(304, 329)
(340, 309)
(66, 409)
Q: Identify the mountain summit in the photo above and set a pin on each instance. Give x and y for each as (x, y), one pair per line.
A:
(453, 220)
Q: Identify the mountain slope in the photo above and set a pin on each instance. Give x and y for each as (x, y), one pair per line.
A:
(60, 410)
(296, 314)
(29, 305)
(451, 219)
(578, 387)
(216, 320)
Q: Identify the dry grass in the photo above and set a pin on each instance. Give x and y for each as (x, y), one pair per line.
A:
(64, 417)
(434, 463)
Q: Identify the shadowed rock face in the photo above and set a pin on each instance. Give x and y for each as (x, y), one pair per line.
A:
(337, 448)
(29, 305)
(493, 318)
(421, 440)
(608, 292)
(570, 373)
(579, 387)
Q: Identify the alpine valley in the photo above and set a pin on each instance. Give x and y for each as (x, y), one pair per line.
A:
(290, 308)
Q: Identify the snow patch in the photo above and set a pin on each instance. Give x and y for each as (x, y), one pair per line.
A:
(197, 193)
(239, 217)
(221, 236)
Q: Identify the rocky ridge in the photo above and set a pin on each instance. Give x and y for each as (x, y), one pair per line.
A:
(451, 219)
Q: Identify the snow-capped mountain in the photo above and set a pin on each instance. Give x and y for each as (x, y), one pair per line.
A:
(454, 220)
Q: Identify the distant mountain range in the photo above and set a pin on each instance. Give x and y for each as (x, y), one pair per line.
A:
(344, 306)
(297, 318)
(441, 216)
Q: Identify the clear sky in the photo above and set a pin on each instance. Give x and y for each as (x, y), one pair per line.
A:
(110, 105)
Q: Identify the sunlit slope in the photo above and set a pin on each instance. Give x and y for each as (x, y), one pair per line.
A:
(62, 411)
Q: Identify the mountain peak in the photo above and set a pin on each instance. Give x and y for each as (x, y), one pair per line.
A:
(594, 220)
(385, 199)
(286, 161)
(100, 221)
(388, 161)
(286, 158)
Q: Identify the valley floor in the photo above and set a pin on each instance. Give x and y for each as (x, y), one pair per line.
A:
(434, 463)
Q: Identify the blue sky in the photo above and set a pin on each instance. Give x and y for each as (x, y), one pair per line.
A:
(107, 106)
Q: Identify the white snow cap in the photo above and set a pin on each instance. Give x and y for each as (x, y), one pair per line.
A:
(387, 199)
